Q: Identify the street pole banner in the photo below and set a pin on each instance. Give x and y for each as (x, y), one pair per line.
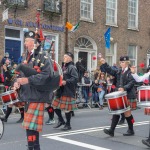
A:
(5, 15)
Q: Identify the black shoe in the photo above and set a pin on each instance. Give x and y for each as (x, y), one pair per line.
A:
(72, 113)
(59, 124)
(121, 122)
(20, 120)
(3, 119)
(109, 132)
(129, 133)
(146, 142)
(66, 127)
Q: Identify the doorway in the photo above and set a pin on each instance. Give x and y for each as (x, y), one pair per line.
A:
(84, 59)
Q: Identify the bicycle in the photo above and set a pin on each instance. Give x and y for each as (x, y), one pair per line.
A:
(1, 128)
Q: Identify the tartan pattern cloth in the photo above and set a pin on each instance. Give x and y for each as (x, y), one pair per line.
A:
(33, 118)
(147, 110)
(64, 103)
(132, 103)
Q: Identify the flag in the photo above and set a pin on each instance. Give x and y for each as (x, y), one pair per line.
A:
(5, 15)
(107, 38)
(75, 27)
(72, 28)
(69, 26)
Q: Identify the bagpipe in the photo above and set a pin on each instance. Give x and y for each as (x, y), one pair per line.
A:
(55, 77)
(40, 60)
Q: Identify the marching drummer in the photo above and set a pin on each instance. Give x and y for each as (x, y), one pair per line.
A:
(124, 82)
(146, 76)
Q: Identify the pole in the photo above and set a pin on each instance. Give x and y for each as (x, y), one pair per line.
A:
(66, 32)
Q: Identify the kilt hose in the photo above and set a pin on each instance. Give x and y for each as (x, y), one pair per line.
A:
(64, 103)
(33, 118)
(132, 103)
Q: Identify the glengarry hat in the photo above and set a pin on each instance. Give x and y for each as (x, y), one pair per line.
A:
(31, 34)
(124, 58)
(70, 54)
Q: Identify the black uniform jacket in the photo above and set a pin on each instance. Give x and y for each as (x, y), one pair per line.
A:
(70, 75)
(124, 80)
(29, 92)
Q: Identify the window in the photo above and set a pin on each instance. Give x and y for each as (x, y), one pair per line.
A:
(20, 3)
(111, 54)
(111, 12)
(132, 53)
(84, 43)
(53, 6)
(133, 14)
(12, 33)
(86, 9)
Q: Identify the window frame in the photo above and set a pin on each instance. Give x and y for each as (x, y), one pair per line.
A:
(115, 14)
(136, 16)
(91, 12)
(114, 56)
(135, 59)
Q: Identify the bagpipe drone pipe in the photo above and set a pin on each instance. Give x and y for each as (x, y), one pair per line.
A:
(54, 80)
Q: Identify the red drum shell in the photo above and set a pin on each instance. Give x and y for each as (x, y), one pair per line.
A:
(9, 96)
(117, 102)
(147, 111)
(144, 95)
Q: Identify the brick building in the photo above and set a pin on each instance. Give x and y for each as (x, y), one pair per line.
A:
(128, 19)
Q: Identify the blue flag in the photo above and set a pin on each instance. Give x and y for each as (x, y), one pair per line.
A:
(107, 38)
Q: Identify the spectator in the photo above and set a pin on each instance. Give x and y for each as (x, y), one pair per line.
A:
(80, 69)
(114, 67)
(94, 91)
(87, 82)
(21, 58)
(4, 58)
(102, 88)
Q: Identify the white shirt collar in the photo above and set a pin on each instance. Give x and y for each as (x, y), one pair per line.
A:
(125, 69)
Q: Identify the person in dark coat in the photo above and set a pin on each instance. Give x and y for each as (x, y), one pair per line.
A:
(65, 97)
(32, 89)
(9, 75)
(124, 82)
(80, 68)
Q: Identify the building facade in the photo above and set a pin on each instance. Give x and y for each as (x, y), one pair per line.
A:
(128, 19)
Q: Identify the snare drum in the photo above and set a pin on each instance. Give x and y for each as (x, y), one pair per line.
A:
(144, 96)
(147, 111)
(117, 102)
(9, 97)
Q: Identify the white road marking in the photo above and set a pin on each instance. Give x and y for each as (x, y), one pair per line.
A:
(57, 136)
(85, 145)
(92, 129)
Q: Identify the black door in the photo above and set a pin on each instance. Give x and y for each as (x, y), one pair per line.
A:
(83, 56)
(13, 47)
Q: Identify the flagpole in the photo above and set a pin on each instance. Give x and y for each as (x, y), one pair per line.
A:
(66, 32)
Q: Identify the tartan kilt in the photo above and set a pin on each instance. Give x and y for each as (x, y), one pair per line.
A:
(132, 103)
(33, 118)
(147, 110)
(19, 104)
(65, 103)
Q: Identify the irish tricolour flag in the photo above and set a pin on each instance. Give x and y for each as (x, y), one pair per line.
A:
(72, 28)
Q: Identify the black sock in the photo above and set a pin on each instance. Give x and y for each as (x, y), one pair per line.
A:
(21, 112)
(8, 112)
(130, 121)
(68, 118)
(122, 116)
(115, 120)
(58, 113)
(50, 111)
(33, 139)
